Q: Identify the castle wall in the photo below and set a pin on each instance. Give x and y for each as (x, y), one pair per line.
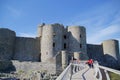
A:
(111, 52)
(27, 49)
(51, 41)
(77, 40)
(28, 66)
(7, 40)
(58, 37)
(65, 39)
(50, 68)
(95, 52)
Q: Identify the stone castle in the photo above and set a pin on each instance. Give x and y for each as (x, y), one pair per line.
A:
(54, 47)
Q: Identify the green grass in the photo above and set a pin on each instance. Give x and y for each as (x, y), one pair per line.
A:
(114, 76)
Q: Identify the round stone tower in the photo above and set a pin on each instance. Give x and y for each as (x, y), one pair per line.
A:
(77, 41)
(7, 40)
(51, 41)
(111, 52)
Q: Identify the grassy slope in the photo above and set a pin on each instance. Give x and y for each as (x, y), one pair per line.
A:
(114, 76)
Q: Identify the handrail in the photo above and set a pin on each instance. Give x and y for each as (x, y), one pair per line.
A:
(97, 71)
(107, 75)
(64, 73)
(75, 67)
(109, 69)
(105, 70)
(70, 70)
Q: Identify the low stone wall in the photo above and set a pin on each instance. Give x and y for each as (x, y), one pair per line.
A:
(49, 68)
(6, 66)
(27, 67)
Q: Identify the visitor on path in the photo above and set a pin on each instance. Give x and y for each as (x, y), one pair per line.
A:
(90, 63)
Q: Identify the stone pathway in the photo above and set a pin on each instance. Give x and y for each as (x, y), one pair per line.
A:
(85, 74)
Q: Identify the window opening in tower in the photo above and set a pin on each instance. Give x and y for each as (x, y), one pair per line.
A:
(80, 45)
(53, 44)
(80, 35)
(64, 45)
(65, 37)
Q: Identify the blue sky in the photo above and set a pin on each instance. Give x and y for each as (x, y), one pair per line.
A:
(100, 17)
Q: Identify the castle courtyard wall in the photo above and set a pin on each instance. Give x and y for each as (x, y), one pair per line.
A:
(35, 66)
(28, 66)
(26, 49)
(7, 42)
(95, 52)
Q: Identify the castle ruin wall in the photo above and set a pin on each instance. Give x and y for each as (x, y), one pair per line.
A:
(95, 52)
(26, 49)
(28, 66)
(7, 39)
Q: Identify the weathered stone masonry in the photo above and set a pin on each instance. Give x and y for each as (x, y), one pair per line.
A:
(57, 45)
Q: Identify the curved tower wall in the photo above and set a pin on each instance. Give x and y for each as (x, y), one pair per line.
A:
(51, 41)
(111, 48)
(111, 51)
(77, 40)
(7, 39)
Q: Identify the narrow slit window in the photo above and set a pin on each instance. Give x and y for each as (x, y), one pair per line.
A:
(64, 45)
(80, 45)
(53, 44)
(65, 37)
(80, 35)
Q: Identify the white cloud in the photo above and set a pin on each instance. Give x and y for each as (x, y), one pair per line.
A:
(105, 33)
(110, 30)
(102, 23)
(27, 35)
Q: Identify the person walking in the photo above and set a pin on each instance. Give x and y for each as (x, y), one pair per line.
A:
(90, 63)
